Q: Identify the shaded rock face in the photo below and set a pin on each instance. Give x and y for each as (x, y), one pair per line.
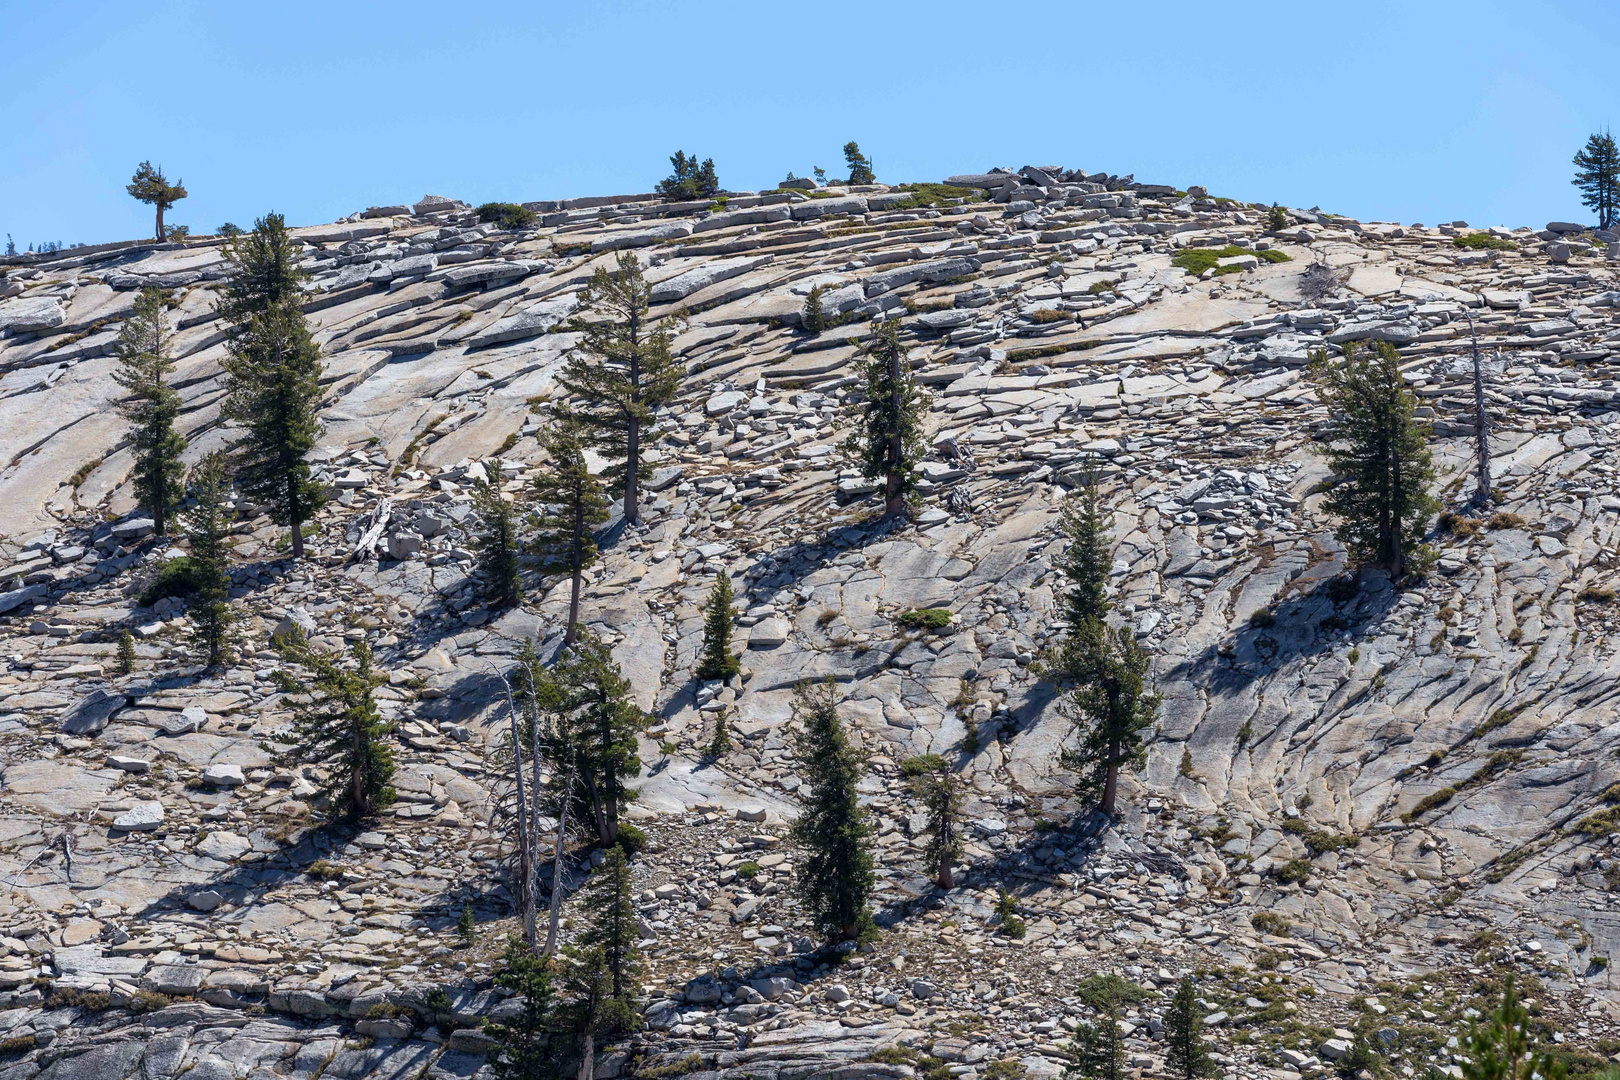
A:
(1382, 772)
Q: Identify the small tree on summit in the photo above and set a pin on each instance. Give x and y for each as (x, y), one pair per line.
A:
(1598, 176)
(886, 439)
(143, 357)
(689, 180)
(718, 661)
(860, 166)
(150, 186)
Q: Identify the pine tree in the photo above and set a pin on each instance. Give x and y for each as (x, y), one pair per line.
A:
(143, 357)
(1109, 709)
(496, 539)
(717, 660)
(1098, 1049)
(150, 186)
(1380, 450)
(339, 725)
(720, 743)
(860, 166)
(812, 317)
(467, 926)
(207, 527)
(1500, 1049)
(126, 652)
(835, 874)
(887, 425)
(623, 369)
(526, 1043)
(603, 964)
(1184, 1053)
(568, 502)
(273, 375)
(600, 723)
(1087, 563)
(1598, 176)
(940, 793)
(689, 180)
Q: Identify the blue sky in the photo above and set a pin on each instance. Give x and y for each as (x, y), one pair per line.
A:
(1423, 110)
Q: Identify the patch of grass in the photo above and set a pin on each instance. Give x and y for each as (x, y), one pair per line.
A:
(1483, 242)
(322, 870)
(689, 1064)
(1592, 594)
(1458, 525)
(149, 1001)
(1048, 315)
(1294, 871)
(1268, 959)
(924, 619)
(1498, 719)
(69, 998)
(17, 1044)
(1269, 922)
(921, 765)
(748, 870)
(1197, 260)
(1504, 519)
(1262, 619)
(926, 195)
(1019, 355)
(1494, 766)
(82, 473)
(1319, 841)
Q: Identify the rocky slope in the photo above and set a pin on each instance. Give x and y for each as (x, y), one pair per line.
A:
(1400, 784)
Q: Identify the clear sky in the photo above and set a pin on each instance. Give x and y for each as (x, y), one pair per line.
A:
(1418, 110)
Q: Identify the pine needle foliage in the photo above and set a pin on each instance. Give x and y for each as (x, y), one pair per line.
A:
(720, 742)
(813, 317)
(337, 725)
(601, 968)
(144, 344)
(496, 539)
(860, 166)
(526, 1042)
(1184, 1053)
(1109, 709)
(568, 502)
(1597, 174)
(273, 375)
(1374, 443)
(208, 527)
(126, 652)
(835, 872)
(623, 370)
(599, 722)
(1087, 564)
(1501, 1048)
(717, 660)
(940, 793)
(886, 422)
(150, 186)
(689, 180)
(1098, 1049)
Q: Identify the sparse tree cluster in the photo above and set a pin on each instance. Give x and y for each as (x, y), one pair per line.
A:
(1597, 174)
(690, 179)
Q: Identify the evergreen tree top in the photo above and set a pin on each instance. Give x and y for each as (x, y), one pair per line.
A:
(264, 271)
(150, 186)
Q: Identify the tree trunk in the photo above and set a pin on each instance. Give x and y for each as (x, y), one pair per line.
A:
(596, 811)
(587, 1064)
(297, 520)
(159, 498)
(1482, 423)
(579, 570)
(357, 779)
(895, 502)
(945, 879)
(525, 856)
(632, 462)
(160, 222)
(556, 870)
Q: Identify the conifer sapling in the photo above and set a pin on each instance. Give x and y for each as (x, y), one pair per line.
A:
(835, 873)
(718, 661)
(152, 406)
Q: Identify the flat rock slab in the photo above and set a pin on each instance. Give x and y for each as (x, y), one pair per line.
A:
(142, 817)
(56, 787)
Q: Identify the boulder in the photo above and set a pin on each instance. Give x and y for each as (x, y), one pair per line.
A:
(30, 315)
(433, 204)
(91, 714)
(227, 776)
(141, 817)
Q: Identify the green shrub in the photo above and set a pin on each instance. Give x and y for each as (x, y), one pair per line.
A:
(1006, 912)
(1048, 315)
(149, 1001)
(1197, 260)
(1592, 594)
(1269, 922)
(178, 577)
(921, 765)
(506, 215)
(1263, 618)
(748, 869)
(69, 998)
(1485, 241)
(631, 839)
(17, 1044)
(322, 870)
(1294, 871)
(1276, 218)
(1268, 959)
(925, 195)
(924, 619)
